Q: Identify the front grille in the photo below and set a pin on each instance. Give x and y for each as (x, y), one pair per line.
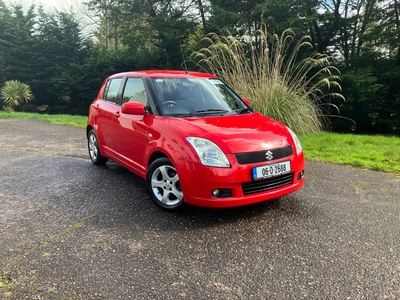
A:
(266, 184)
(260, 156)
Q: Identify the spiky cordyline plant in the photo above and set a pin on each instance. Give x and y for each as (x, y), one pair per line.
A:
(15, 93)
(265, 70)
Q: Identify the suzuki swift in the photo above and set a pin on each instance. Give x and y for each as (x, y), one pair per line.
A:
(193, 140)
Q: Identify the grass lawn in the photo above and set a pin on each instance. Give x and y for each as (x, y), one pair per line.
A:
(372, 152)
(77, 121)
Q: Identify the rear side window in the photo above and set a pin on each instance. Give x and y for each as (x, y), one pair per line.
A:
(135, 91)
(112, 89)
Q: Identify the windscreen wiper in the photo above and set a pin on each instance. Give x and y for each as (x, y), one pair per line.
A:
(207, 111)
(244, 110)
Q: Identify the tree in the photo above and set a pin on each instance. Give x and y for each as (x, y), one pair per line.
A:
(58, 56)
(367, 51)
(16, 29)
(151, 28)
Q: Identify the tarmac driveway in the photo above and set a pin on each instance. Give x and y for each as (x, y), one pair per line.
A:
(70, 230)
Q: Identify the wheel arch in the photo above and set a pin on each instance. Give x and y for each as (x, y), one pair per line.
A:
(88, 128)
(156, 155)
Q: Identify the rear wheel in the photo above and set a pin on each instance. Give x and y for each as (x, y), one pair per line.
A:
(163, 185)
(94, 149)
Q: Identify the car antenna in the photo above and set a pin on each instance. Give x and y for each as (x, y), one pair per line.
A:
(184, 60)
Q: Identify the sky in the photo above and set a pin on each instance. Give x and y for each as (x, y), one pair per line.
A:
(47, 4)
(71, 6)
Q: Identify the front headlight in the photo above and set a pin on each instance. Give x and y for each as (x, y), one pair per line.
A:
(297, 143)
(209, 153)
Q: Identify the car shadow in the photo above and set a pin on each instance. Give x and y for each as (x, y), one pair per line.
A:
(130, 189)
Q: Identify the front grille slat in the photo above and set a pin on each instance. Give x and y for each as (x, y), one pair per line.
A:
(260, 156)
(266, 184)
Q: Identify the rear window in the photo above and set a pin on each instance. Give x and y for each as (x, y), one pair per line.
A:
(112, 89)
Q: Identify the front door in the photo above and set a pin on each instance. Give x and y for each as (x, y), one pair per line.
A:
(131, 134)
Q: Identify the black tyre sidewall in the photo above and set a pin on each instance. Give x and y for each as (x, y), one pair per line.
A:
(100, 160)
(156, 164)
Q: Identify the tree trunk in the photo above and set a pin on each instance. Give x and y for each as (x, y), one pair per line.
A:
(203, 17)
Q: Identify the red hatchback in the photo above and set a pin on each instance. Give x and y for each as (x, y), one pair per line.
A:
(193, 140)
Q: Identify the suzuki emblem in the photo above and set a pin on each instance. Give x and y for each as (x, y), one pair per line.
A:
(269, 155)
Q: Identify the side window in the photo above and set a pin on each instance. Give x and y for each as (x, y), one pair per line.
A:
(111, 91)
(135, 91)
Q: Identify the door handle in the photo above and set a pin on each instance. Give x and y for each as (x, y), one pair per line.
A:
(117, 114)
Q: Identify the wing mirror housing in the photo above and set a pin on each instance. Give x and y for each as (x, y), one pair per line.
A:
(245, 100)
(133, 108)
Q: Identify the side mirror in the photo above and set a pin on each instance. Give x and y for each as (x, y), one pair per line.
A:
(133, 108)
(247, 101)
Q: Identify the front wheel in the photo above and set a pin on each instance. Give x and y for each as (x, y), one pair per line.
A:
(94, 149)
(163, 185)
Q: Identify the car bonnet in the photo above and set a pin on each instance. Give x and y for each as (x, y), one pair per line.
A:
(237, 133)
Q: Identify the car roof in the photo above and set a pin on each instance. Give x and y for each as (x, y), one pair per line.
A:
(164, 74)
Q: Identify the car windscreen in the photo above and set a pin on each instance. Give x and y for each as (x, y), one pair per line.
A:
(193, 97)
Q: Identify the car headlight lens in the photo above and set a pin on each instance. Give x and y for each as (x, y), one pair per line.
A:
(297, 143)
(209, 153)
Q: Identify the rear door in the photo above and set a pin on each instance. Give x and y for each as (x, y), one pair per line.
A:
(108, 111)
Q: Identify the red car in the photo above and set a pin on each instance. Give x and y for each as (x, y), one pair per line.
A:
(193, 140)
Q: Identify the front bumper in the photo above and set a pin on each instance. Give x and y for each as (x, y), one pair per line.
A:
(198, 183)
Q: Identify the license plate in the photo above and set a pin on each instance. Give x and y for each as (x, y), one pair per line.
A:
(272, 170)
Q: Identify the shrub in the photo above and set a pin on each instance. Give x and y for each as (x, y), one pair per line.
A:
(264, 69)
(15, 93)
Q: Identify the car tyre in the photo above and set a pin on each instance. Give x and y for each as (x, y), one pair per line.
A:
(163, 185)
(94, 149)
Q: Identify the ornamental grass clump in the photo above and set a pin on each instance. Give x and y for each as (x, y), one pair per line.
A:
(265, 70)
